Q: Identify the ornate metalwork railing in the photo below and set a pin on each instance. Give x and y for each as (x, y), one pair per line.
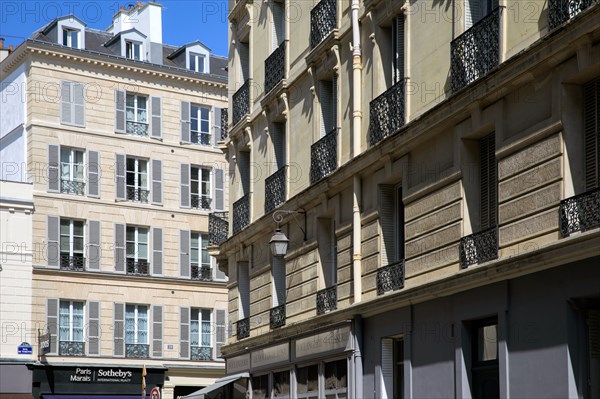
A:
(580, 213)
(475, 52)
(323, 156)
(322, 21)
(218, 227)
(275, 68)
(137, 128)
(137, 194)
(200, 138)
(277, 316)
(243, 328)
(75, 262)
(71, 348)
(241, 102)
(560, 11)
(241, 213)
(72, 187)
(201, 353)
(390, 277)
(200, 201)
(137, 351)
(224, 123)
(479, 247)
(201, 273)
(327, 300)
(140, 267)
(386, 113)
(275, 190)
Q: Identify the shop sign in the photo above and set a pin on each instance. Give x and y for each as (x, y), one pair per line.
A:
(44, 344)
(238, 364)
(328, 341)
(104, 375)
(270, 355)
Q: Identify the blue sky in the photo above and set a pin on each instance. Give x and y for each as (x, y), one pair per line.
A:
(184, 21)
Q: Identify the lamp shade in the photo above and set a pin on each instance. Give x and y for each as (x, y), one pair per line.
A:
(279, 243)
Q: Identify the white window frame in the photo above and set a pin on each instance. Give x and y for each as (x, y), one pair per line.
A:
(70, 31)
(199, 64)
(202, 322)
(136, 171)
(136, 324)
(72, 164)
(201, 249)
(72, 236)
(203, 180)
(136, 243)
(71, 334)
(196, 114)
(130, 46)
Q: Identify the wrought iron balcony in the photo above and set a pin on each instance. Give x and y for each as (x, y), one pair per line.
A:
(71, 348)
(75, 263)
(479, 247)
(200, 138)
(390, 277)
(201, 273)
(243, 328)
(218, 227)
(322, 21)
(327, 300)
(137, 128)
(323, 156)
(137, 351)
(140, 267)
(137, 194)
(241, 213)
(275, 190)
(560, 11)
(475, 52)
(200, 201)
(241, 102)
(277, 316)
(72, 187)
(275, 68)
(224, 123)
(580, 213)
(201, 353)
(386, 113)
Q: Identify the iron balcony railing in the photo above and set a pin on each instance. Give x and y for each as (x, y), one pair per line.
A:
(387, 112)
(201, 273)
(75, 262)
(475, 52)
(560, 11)
(327, 300)
(139, 267)
(137, 194)
(479, 247)
(323, 156)
(137, 128)
(200, 201)
(224, 123)
(218, 227)
(241, 213)
(322, 21)
(275, 190)
(72, 187)
(241, 102)
(137, 351)
(71, 348)
(200, 138)
(243, 328)
(390, 277)
(201, 353)
(277, 316)
(275, 68)
(580, 213)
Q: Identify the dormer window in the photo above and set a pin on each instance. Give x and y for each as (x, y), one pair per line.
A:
(70, 38)
(133, 50)
(197, 62)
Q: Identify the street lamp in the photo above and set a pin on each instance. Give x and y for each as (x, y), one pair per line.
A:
(279, 242)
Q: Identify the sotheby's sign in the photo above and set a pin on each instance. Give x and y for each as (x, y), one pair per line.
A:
(88, 374)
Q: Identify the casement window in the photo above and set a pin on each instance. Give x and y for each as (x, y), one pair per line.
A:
(398, 45)
(67, 325)
(307, 379)
(70, 37)
(200, 125)
(260, 387)
(72, 171)
(133, 50)
(72, 103)
(199, 258)
(328, 102)
(200, 187)
(137, 114)
(591, 125)
(200, 334)
(336, 379)
(131, 330)
(476, 10)
(485, 377)
(72, 237)
(391, 221)
(136, 107)
(277, 23)
(136, 324)
(137, 250)
(71, 329)
(281, 384)
(132, 182)
(488, 182)
(137, 180)
(197, 62)
(65, 244)
(392, 368)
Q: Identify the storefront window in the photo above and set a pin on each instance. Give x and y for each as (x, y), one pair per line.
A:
(308, 381)
(336, 379)
(260, 387)
(281, 384)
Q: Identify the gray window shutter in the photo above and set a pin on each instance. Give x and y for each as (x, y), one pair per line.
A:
(184, 333)
(398, 67)
(157, 331)
(244, 290)
(53, 245)
(278, 24)
(387, 368)
(52, 323)
(326, 97)
(120, 177)
(219, 331)
(488, 182)
(278, 138)
(591, 126)
(278, 272)
(244, 169)
(119, 111)
(334, 102)
(219, 190)
(157, 192)
(387, 224)
(93, 174)
(216, 125)
(244, 54)
(53, 168)
(473, 12)
(185, 122)
(66, 103)
(119, 330)
(94, 253)
(93, 328)
(156, 117)
(184, 253)
(157, 251)
(120, 248)
(185, 185)
(78, 104)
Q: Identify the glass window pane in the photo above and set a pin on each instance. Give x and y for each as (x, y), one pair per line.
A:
(78, 228)
(281, 384)
(194, 173)
(130, 100)
(64, 321)
(78, 244)
(204, 126)
(143, 235)
(130, 250)
(194, 124)
(65, 39)
(65, 244)
(487, 343)
(143, 251)
(74, 42)
(193, 62)
(204, 113)
(131, 234)
(65, 227)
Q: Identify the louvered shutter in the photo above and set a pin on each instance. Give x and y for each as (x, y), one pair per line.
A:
(119, 111)
(184, 333)
(120, 177)
(219, 331)
(93, 328)
(216, 125)
(278, 24)
(244, 290)
(119, 329)
(157, 331)
(66, 103)
(93, 260)
(334, 102)
(185, 122)
(52, 323)
(591, 126)
(78, 104)
(157, 190)
(53, 168)
(120, 248)
(53, 245)
(184, 253)
(387, 368)
(488, 183)
(278, 138)
(326, 97)
(219, 190)
(473, 12)
(244, 53)
(387, 225)
(244, 169)
(93, 174)
(398, 40)
(157, 251)
(278, 271)
(156, 117)
(185, 185)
